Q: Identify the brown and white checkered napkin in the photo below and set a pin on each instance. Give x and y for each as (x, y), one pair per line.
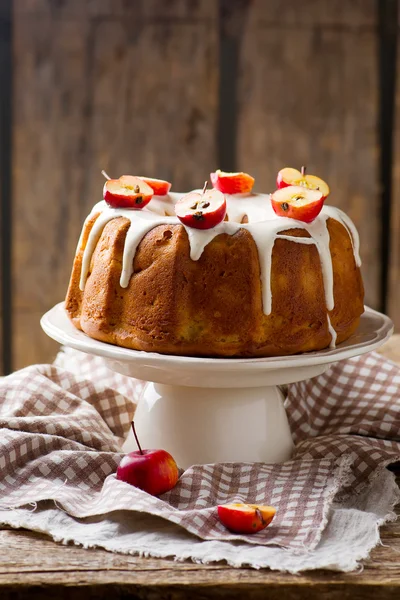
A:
(352, 409)
(62, 427)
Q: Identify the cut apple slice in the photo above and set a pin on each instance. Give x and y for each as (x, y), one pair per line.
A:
(289, 176)
(127, 192)
(159, 186)
(232, 183)
(297, 202)
(201, 210)
(245, 518)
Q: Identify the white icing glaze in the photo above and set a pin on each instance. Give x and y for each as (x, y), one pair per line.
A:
(264, 234)
(256, 207)
(341, 216)
(263, 224)
(333, 333)
(199, 238)
(164, 205)
(141, 223)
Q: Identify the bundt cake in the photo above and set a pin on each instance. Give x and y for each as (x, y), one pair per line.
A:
(256, 284)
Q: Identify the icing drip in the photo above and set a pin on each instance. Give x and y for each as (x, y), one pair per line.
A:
(143, 221)
(333, 333)
(319, 232)
(199, 238)
(341, 216)
(265, 241)
(256, 207)
(164, 205)
(263, 225)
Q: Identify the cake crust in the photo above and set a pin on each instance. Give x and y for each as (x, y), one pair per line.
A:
(213, 306)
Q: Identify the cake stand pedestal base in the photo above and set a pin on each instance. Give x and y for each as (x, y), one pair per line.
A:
(207, 410)
(205, 425)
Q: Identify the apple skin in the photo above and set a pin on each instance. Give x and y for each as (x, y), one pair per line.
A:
(232, 183)
(245, 518)
(119, 193)
(306, 212)
(201, 218)
(154, 471)
(281, 182)
(160, 187)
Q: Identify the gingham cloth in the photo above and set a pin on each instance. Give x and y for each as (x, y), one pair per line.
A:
(62, 426)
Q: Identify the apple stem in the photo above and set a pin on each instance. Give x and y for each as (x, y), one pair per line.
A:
(105, 175)
(204, 188)
(136, 437)
(303, 170)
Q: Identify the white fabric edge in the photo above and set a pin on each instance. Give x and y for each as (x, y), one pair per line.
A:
(352, 532)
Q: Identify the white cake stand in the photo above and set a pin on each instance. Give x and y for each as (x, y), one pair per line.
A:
(205, 410)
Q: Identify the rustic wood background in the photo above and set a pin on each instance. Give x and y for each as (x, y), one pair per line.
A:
(175, 89)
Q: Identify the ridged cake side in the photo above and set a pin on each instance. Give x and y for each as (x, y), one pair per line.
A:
(213, 306)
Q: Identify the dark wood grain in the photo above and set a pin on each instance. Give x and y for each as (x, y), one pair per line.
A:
(129, 87)
(135, 87)
(232, 19)
(5, 182)
(388, 11)
(308, 95)
(394, 271)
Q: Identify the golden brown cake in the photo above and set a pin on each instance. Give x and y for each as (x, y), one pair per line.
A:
(254, 285)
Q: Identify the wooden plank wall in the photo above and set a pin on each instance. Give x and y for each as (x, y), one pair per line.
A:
(5, 184)
(137, 86)
(394, 295)
(3, 51)
(311, 98)
(111, 85)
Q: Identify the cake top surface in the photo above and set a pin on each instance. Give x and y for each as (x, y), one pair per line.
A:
(206, 214)
(240, 208)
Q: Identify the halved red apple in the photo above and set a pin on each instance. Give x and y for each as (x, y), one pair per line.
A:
(159, 186)
(201, 210)
(297, 202)
(289, 176)
(245, 518)
(232, 183)
(127, 192)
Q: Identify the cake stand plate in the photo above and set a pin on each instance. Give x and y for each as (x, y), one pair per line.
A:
(205, 410)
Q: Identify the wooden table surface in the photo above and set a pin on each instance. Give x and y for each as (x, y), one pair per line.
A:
(32, 566)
